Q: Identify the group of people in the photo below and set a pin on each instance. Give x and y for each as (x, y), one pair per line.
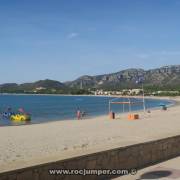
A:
(7, 113)
(80, 114)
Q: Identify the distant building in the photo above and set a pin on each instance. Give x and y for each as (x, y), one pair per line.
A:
(135, 91)
(40, 88)
(122, 92)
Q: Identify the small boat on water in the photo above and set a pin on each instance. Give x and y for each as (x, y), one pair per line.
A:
(20, 117)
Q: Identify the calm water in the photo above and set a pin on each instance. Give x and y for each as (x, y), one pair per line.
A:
(48, 108)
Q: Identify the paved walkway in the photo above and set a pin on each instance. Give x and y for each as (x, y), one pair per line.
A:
(168, 170)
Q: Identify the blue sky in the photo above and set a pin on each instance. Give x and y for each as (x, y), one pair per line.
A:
(64, 39)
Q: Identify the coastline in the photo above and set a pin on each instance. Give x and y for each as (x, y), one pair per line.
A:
(173, 98)
(25, 94)
(23, 146)
(170, 99)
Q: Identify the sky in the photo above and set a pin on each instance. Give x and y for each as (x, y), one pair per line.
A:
(65, 39)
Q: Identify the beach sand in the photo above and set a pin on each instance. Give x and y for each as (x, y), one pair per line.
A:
(22, 146)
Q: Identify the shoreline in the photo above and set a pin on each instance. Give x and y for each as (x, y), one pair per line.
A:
(173, 103)
(31, 94)
(173, 98)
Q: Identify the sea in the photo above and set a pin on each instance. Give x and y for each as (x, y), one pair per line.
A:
(47, 108)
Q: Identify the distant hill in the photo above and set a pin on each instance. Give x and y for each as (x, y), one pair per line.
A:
(38, 86)
(43, 83)
(167, 77)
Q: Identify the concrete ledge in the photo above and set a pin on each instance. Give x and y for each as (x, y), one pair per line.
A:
(133, 156)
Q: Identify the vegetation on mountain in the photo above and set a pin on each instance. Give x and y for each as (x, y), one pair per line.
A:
(166, 78)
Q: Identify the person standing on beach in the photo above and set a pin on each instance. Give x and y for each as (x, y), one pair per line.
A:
(78, 114)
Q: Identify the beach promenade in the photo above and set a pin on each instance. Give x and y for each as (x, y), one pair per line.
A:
(23, 146)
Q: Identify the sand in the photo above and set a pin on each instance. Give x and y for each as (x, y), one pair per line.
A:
(22, 146)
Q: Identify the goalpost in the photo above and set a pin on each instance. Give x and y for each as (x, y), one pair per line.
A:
(127, 101)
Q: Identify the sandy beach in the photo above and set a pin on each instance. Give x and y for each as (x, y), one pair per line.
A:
(22, 146)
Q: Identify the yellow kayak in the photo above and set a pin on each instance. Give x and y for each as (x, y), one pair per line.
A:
(20, 117)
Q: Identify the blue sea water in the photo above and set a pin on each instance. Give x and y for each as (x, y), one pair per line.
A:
(44, 108)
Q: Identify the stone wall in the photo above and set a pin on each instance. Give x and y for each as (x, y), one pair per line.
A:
(134, 156)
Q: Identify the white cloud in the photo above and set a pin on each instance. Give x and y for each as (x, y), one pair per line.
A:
(143, 55)
(162, 53)
(127, 28)
(72, 35)
(170, 52)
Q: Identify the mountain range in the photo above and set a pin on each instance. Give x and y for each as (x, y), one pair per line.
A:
(167, 76)
(163, 77)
